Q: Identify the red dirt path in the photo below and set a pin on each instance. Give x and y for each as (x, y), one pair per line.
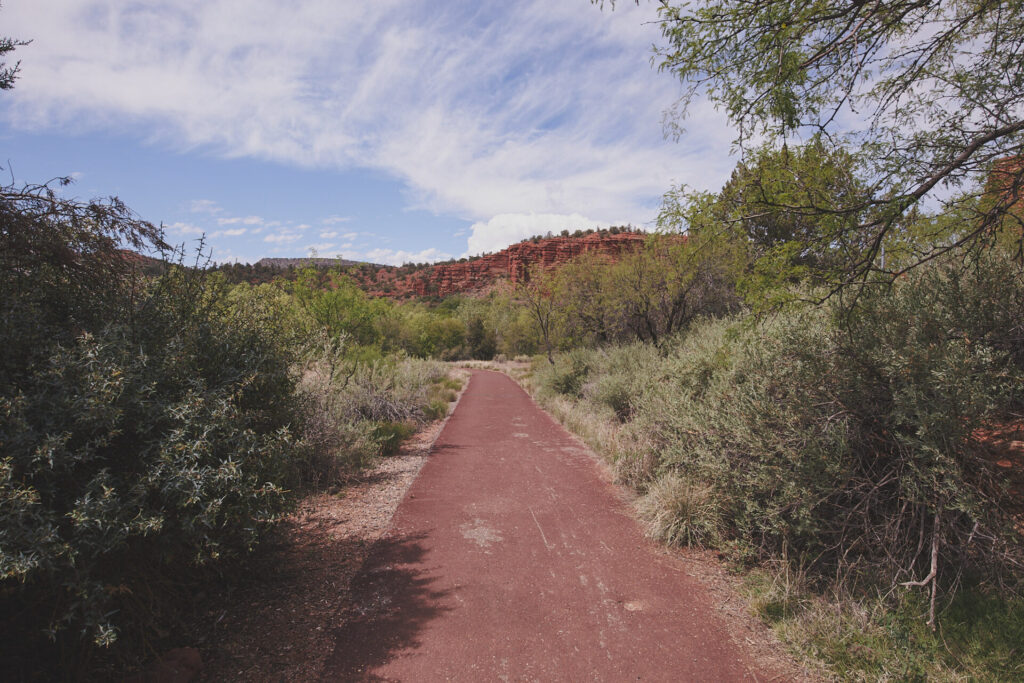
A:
(512, 559)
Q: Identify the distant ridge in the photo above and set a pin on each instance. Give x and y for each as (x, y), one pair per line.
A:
(283, 263)
(477, 275)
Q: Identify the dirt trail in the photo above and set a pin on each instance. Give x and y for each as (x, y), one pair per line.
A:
(512, 559)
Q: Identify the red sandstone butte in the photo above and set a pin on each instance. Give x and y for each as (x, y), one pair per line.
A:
(511, 264)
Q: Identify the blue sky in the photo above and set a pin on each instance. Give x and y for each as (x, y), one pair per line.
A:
(387, 131)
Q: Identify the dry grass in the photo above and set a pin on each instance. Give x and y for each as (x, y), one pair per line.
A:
(679, 511)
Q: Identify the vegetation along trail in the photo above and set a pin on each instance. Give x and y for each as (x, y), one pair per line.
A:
(511, 558)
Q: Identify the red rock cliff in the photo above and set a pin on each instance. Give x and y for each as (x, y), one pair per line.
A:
(512, 264)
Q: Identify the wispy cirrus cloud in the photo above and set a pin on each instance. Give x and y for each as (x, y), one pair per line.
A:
(181, 228)
(279, 237)
(244, 220)
(486, 111)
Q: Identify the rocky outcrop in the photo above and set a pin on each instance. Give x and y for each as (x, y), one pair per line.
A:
(512, 264)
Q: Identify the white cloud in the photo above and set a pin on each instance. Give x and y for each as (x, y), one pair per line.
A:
(505, 229)
(234, 232)
(282, 237)
(334, 220)
(482, 110)
(204, 206)
(180, 228)
(398, 257)
(324, 249)
(329, 234)
(244, 220)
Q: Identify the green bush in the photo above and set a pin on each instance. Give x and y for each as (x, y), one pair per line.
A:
(832, 436)
(355, 411)
(850, 438)
(145, 428)
(436, 409)
(137, 446)
(615, 375)
(567, 376)
(390, 435)
(451, 383)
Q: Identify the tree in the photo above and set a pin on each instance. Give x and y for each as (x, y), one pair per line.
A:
(338, 305)
(661, 288)
(537, 290)
(786, 209)
(8, 74)
(588, 295)
(928, 94)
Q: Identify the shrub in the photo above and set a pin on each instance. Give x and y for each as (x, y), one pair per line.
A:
(144, 422)
(452, 384)
(614, 376)
(847, 441)
(153, 443)
(566, 377)
(849, 437)
(436, 409)
(390, 435)
(356, 411)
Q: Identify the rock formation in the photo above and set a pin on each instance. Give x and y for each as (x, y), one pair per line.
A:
(511, 264)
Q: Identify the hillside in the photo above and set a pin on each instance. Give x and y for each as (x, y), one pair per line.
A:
(480, 274)
(283, 263)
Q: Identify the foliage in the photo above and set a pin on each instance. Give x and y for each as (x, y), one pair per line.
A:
(355, 411)
(873, 638)
(537, 292)
(849, 441)
(680, 511)
(63, 271)
(9, 74)
(647, 295)
(390, 436)
(145, 423)
(340, 306)
(786, 211)
(928, 95)
(567, 376)
(844, 441)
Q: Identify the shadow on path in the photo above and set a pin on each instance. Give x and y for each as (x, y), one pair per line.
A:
(393, 601)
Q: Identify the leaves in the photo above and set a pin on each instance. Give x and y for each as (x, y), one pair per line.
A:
(927, 94)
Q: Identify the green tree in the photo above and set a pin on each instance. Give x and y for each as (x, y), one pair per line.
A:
(538, 291)
(480, 338)
(339, 306)
(786, 209)
(8, 74)
(661, 288)
(928, 94)
(589, 295)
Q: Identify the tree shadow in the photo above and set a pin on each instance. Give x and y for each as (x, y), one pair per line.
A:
(393, 601)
